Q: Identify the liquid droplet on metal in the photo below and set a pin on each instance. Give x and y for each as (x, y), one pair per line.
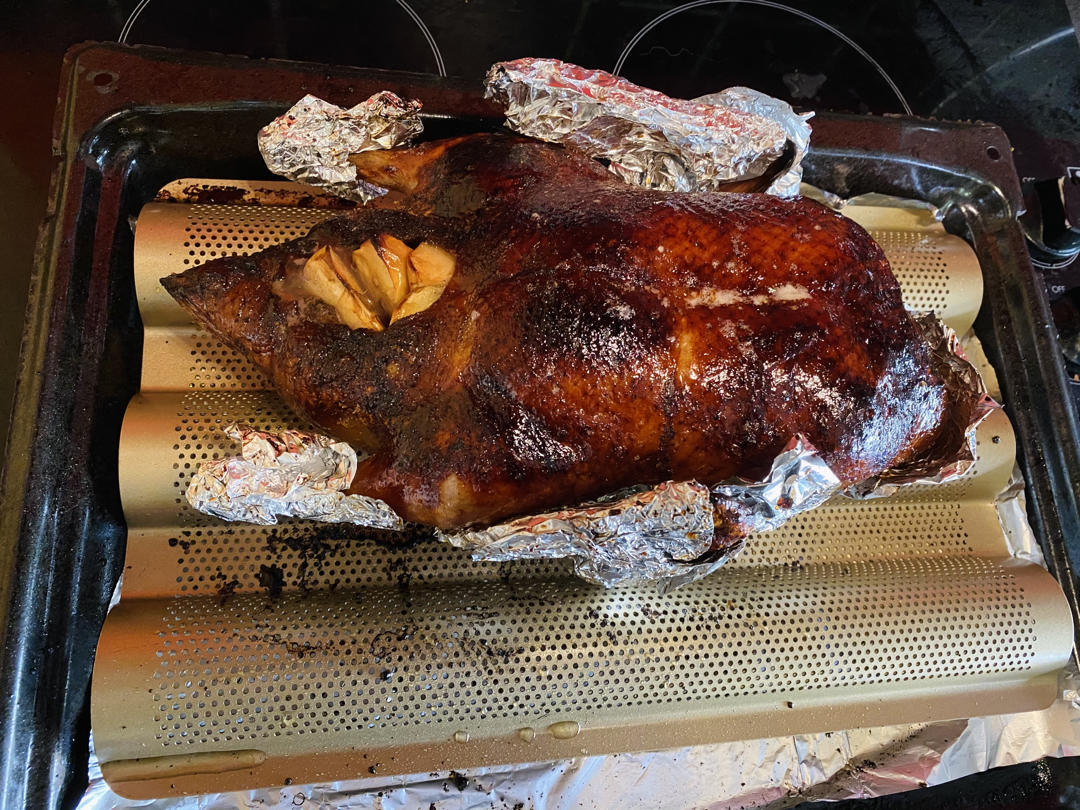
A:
(565, 729)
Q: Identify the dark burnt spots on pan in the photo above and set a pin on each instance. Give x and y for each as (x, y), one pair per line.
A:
(314, 552)
(300, 649)
(311, 545)
(271, 579)
(312, 556)
(216, 193)
(226, 588)
(385, 643)
(307, 556)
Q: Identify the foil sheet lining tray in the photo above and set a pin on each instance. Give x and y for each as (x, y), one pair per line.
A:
(244, 656)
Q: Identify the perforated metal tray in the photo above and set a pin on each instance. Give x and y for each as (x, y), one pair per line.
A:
(389, 655)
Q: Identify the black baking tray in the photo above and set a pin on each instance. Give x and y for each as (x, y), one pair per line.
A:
(129, 120)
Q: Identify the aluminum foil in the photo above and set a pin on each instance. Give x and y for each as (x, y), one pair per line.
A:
(795, 125)
(643, 136)
(930, 212)
(311, 143)
(292, 473)
(1011, 508)
(798, 481)
(647, 138)
(970, 403)
(656, 535)
(671, 534)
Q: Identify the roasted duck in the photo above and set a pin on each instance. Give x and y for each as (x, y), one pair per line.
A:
(575, 335)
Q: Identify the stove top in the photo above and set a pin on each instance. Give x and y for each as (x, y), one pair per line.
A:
(946, 58)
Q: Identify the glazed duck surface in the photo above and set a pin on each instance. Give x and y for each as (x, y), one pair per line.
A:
(592, 336)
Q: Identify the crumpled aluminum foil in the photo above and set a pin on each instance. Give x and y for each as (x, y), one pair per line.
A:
(799, 480)
(971, 405)
(652, 535)
(311, 143)
(795, 125)
(647, 138)
(644, 137)
(292, 473)
(671, 534)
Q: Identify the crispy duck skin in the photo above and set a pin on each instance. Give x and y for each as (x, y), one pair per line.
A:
(593, 336)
